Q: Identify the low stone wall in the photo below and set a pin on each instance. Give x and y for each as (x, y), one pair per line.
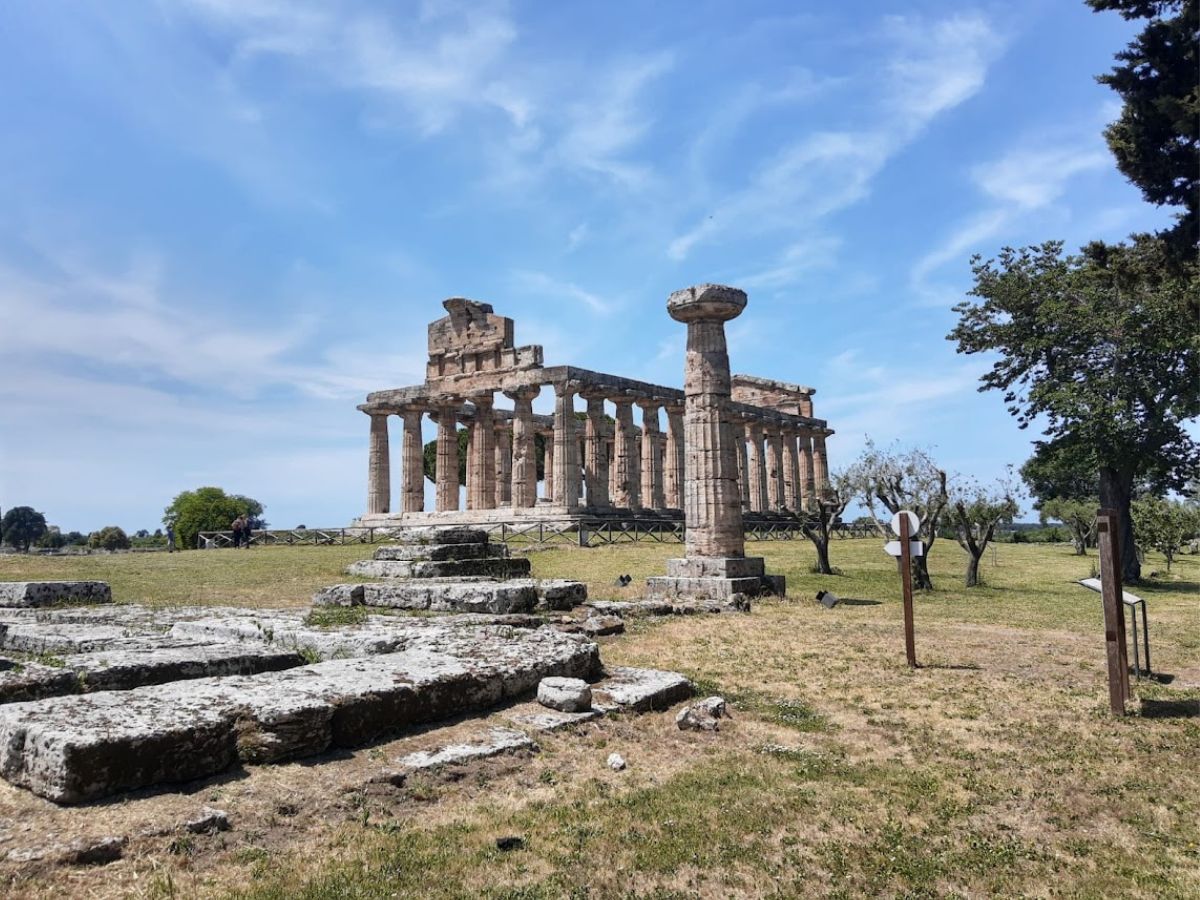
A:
(49, 593)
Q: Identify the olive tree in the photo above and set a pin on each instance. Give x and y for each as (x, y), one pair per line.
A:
(823, 513)
(975, 511)
(1164, 525)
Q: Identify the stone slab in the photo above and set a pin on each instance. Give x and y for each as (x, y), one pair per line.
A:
(436, 535)
(494, 742)
(627, 608)
(640, 690)
(49, 593)
(83, 747)
(493, 568)
(560, 594)
(716, 567)
(552, 719)
(706, 588)
(438, 552)
(21, 681)
(471, 596)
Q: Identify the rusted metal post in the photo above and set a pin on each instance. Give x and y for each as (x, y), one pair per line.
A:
(1108, 523)
(910, 644)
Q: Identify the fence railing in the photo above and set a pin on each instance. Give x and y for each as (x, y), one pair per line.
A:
(574, 532)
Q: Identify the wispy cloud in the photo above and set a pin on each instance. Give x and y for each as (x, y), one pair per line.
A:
(544, 285)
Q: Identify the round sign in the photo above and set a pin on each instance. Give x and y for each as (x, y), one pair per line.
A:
(913, 522)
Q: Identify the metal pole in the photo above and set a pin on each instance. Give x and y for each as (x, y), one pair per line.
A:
(910, 645)
(1107, 525)
(1146, 637)
(1137, 660)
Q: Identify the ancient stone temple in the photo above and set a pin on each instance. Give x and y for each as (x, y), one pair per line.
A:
(599, 465)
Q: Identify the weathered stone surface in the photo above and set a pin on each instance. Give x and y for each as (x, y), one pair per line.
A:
(68, 638)
(76, 748)
(624, 608)
(208, 821)
(494, 743)
(733, 590)
(437, 535)
(48, 593)
(32, 681)
(640, 690)
(565, 694)
(559, 594)
(553, 720)
(440, 552)
(493, 568)
(702, 716)
(716, 567)
(439, 595)
(599, 626)
(615, 761)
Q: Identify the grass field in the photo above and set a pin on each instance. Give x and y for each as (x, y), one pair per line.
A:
(992, 770)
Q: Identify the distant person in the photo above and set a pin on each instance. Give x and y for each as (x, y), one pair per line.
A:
(170, 538)
(237, 526)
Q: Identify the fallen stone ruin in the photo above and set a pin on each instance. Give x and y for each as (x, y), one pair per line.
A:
(98, 700)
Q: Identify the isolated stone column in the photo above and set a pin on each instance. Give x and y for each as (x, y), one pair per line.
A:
(652, 472)
(791, 470)
(481, 463)
(566, 447)
(756, 464)
(524, 456)
(413, 464)
(548, 464)
(625, 491)
(447, 458)
(503, 465)
(595, 456)
(673, 460)
(808, 484)
(379, 476)
(775, 495)
(820, 464)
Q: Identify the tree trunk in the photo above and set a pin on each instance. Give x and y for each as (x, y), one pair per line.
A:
(1080, 544)
(972, 570)
(823, 556)
(920, 572)
(1116, 489)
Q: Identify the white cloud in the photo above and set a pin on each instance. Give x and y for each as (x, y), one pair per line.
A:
(547, 286)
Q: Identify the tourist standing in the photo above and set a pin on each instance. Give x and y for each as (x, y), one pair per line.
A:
(170, 538)
(237, 525)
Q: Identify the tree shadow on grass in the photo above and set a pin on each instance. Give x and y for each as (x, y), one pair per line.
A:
(1170, 709)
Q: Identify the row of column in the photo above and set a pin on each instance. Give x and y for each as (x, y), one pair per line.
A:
(618, 464)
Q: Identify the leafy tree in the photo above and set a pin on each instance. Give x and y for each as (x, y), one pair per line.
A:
(975, 511)
(75, 539)
(209, 509)
(429, 456)
(1051, 475)
(110, 537)
(891, 480)
(1079, 516)
(1156, 139)
(21, 526)
(817, 523)
(1093, 348)
(52, 539)
(1164, 525)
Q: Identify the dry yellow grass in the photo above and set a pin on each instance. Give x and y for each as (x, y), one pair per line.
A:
(993, 770)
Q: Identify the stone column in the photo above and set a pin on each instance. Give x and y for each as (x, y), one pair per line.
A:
(673, 461)
(611, 451)
(775, 495)
(756, 464)
(413, 467)
(379, 464)
(820, 464)
(652, 468)
(566, 447)
(548, 465)
(806, 406)
(447, 458)
(712, 505)
(791, 470)
(481, 464)
(595, 456)
(808, 484)
(739, 430)
(625, 491)
(503, 463)
(524, 458)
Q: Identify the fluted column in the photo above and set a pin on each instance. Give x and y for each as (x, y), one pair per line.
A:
(652, 468)
(712, 505)
(447, 458)
(481, 494)
(820, 464)
(379, 475)
(548, 464)
(775, 494)
(673, 461)
(625, 490)
(566, 447)
(502, 477)
(610, 448)
(791, 470)
(756, 464)
(739, 430)
(412, 492)
(524, 456)
(595, 456)
(808, 483)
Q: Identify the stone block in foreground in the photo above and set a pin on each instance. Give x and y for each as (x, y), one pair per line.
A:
(640, 690)
(84, 747)
(440, 596)
(492, 567)
(50, 593)
(731, 580)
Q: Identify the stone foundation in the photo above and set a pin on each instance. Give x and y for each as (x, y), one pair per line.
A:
(50, 593)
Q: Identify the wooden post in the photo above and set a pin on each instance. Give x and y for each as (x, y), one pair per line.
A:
(910, 644)
(1108, 522)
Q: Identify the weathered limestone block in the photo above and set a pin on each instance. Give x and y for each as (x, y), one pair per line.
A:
(518, 567)
(48, 593)
(599, 626)
(436, 535)
(552, 720)
(471, 596)
(640, 689)
(77, 748)
(31, 681)
(439, 552)
(495, 742)
(565, 694)
(559, 594)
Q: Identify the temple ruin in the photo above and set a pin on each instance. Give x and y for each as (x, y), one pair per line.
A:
(592, 467)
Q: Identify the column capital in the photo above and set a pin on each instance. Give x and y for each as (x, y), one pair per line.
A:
(523, 393)
(648, 403)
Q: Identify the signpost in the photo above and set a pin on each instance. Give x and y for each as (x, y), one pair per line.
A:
(1108, 523)
(904, 525)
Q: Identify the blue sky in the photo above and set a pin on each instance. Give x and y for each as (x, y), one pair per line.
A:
(225, 221)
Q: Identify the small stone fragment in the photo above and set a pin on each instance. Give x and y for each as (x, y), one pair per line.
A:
(565, 694)
(209, 821)
(702, 716)
(93, 852)
(616, 762)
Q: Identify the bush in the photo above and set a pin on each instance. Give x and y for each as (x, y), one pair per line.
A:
(209, 509)
(21, 526)
(110, 537)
